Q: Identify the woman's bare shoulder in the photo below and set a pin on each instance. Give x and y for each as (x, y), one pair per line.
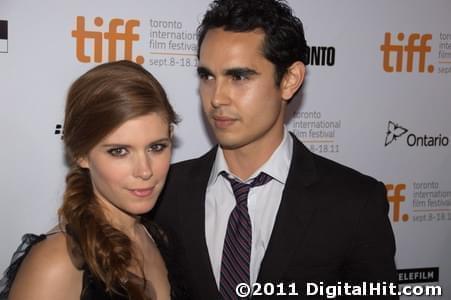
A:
(47, 272)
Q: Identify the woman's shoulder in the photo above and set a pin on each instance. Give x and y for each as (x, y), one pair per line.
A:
(51, 254)
(47, 271)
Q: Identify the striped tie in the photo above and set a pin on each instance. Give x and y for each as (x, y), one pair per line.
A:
(236, 254)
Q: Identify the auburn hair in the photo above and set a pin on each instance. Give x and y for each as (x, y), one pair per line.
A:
(97, 103)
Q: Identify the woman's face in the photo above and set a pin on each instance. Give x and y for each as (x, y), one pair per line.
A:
(129, 166)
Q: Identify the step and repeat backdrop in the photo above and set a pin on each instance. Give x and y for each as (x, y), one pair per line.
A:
(377, 97)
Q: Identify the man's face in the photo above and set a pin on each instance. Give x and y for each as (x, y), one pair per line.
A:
(239, 95)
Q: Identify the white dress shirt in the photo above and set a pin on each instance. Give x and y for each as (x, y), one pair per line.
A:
(263, 204)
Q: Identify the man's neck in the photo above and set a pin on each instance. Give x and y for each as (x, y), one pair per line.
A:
(244, 161)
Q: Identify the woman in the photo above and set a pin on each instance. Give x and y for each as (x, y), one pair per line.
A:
(117, 136)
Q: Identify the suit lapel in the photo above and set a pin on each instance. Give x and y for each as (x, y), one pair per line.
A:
(192, 212)
(296, 209)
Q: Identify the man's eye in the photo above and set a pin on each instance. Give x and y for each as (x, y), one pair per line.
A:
(118, 152)
(239, 77)
(158, 147)
(204, 76)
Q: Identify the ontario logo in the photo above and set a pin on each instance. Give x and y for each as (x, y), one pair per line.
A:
(119, 32)
(405, 52)
(395, 132)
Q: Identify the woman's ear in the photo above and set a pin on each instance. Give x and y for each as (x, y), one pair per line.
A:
(83, 162)
(292, 80)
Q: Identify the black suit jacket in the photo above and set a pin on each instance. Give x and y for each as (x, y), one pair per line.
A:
(331, 225)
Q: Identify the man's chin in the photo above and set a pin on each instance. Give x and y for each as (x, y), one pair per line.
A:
(229, 144)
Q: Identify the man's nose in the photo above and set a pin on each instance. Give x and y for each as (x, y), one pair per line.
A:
(220, 94)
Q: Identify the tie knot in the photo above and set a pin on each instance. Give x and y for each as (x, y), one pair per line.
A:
(241, 190)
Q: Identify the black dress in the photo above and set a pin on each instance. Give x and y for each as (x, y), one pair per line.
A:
(93, 289)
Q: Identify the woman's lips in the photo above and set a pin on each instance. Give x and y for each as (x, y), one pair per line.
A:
(142, 192)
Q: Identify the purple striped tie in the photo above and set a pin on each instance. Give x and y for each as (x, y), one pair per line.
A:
(236, 254)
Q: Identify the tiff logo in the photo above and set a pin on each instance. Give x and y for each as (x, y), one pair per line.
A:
(112, 36)
(395, 196)
(401, 51)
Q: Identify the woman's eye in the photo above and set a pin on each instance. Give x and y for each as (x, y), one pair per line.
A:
(118, 152)
(158, 147)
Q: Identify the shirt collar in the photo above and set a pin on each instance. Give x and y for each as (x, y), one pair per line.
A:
(277, 166)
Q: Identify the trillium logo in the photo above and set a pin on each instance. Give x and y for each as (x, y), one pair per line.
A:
(394, 131)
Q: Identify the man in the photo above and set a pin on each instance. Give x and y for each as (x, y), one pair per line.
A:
(306, 218)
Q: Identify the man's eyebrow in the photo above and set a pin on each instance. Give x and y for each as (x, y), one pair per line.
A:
(246, 72)
(235, 72)
(203, 71)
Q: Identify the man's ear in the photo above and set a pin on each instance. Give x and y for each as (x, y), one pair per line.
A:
(292, 80)
(83, 162)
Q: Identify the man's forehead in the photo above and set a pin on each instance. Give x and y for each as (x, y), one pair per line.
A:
(256, 35)
(231, 49)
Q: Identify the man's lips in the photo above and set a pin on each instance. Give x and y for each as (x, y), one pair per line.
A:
(223, 122)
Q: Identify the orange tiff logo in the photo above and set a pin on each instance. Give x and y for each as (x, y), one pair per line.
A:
(395, 196)
(416, 44)
(112, 36)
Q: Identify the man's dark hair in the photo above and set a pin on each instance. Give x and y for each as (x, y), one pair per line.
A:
(284, 41)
